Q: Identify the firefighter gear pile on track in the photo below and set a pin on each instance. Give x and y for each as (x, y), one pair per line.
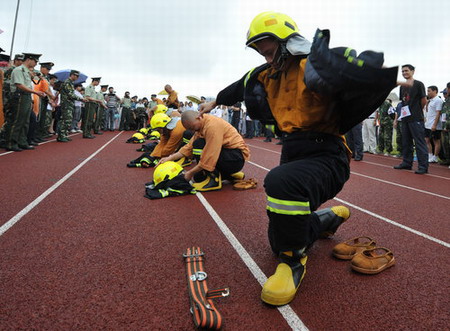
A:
(168, 181)
(137, 138)
(143, 161)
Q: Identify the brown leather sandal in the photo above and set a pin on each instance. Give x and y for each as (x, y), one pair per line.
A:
(373, 260)
(245, 184)
(348, 249)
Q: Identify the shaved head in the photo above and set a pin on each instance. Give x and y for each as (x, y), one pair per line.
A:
(168, 88)
(190, 120)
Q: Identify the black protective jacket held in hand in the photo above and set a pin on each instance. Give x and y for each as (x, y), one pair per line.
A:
(358, 84)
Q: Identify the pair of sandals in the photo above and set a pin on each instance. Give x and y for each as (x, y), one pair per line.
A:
(366, 257)
(245, 184)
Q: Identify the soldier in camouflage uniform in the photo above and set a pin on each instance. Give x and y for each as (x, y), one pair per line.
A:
(4, 65)
(18, 116)
(445, 134)
(67, 106)
(18, 60)
(386, 126)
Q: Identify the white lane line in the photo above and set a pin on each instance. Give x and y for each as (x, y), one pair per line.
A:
(5, 227)
(386, 166)
(400, 185)
(42, 143)
(377, 179)
(404, 227)
(286, 311)
(387, 220)
(265, 149)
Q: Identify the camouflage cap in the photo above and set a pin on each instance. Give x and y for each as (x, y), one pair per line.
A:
(74, 72)
(104, 86)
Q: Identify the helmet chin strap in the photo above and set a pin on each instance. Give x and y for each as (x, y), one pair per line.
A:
(280, 58)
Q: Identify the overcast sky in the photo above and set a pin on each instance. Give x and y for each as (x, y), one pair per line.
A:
(198, 46)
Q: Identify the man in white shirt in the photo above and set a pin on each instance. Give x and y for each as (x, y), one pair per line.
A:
(217, 111)
(77, 110)
(190, 106)
(370, 133)
(433, 124)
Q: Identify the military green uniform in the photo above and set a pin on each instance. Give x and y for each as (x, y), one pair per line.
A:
(445, 134)
(18, 114)
(89, 112)
(125, 118)
(99, 113)
(67, 108)
(386, 128)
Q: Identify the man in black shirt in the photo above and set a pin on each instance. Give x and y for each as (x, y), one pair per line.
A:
(236, 108)
(413, 97)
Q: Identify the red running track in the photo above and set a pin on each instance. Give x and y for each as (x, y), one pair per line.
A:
(90, 252)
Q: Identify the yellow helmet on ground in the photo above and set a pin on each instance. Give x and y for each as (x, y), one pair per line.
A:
(159, 120)
(155, 134)
(139, 136)
(144, 131)
(166, 170)
(271, 24)
(161, 109)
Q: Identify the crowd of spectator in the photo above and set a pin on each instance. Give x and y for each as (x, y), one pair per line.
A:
(414, 127)
(36, 105)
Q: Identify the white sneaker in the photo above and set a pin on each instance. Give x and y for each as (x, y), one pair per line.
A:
(430, 158)
(435, 159)
(79, 131)
(73, 131)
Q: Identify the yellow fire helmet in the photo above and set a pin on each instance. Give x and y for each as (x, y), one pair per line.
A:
(155, 134)
(166, 170)
(271, 24)
(144, 131)
(161, 109)
(159, 120)
(139, 136)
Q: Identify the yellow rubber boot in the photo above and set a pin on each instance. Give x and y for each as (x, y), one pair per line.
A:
(238, 175)
(331, 218)
(212, 182)
(184, 162)
(282, 286)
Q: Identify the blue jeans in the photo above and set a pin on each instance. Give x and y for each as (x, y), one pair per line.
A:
(109, 118)
(414, 132)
